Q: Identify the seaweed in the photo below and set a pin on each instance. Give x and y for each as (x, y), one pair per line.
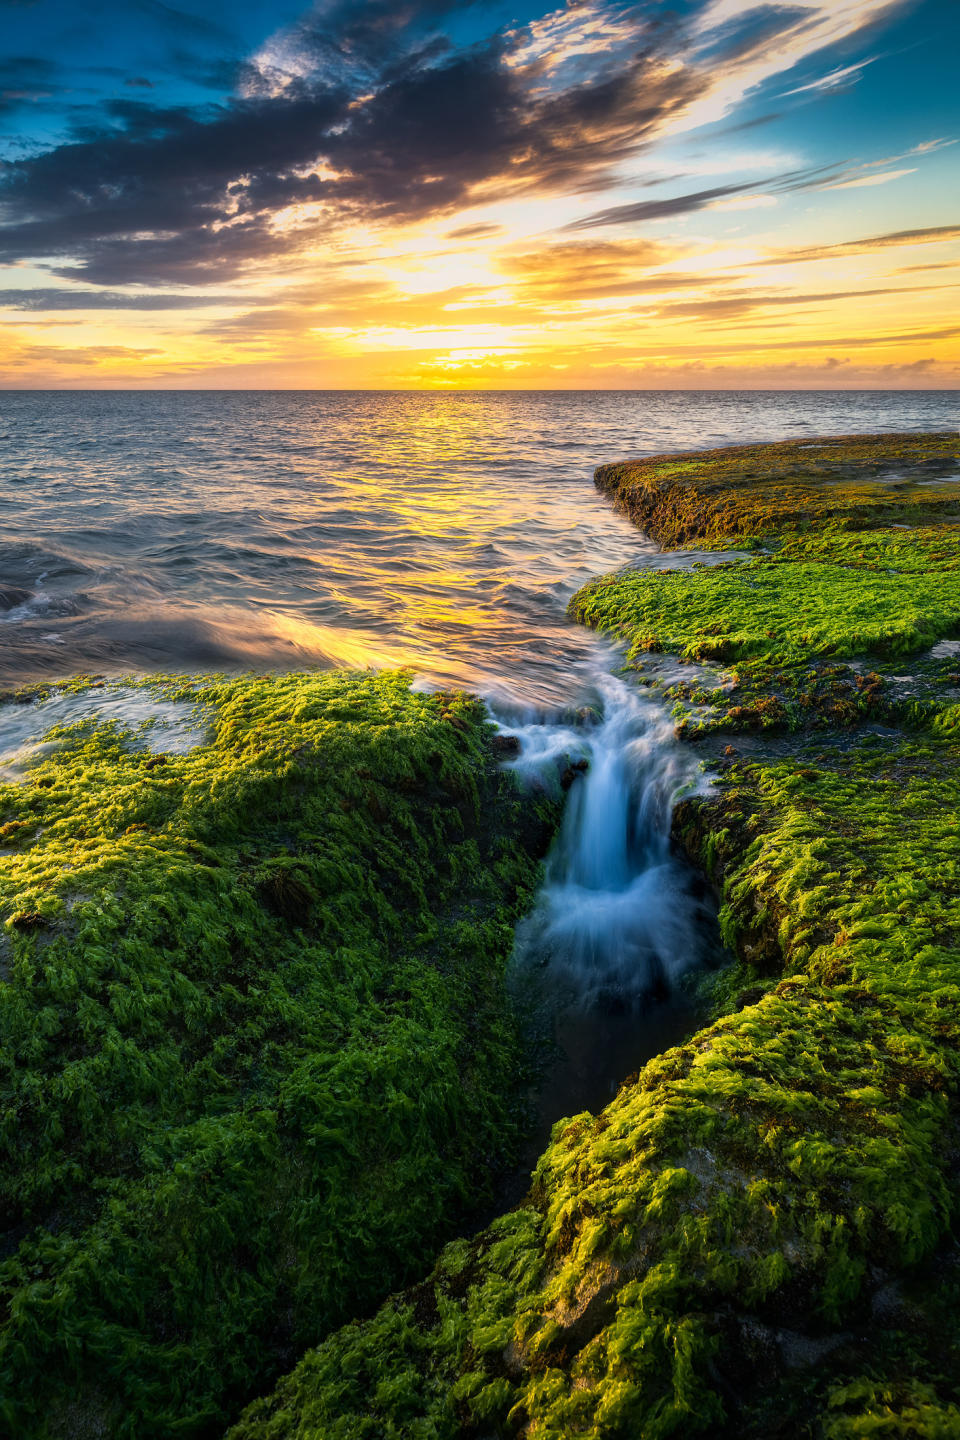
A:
(257, 1061)
(755, 1237)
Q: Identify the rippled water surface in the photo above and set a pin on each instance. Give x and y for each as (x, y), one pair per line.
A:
(166, 531)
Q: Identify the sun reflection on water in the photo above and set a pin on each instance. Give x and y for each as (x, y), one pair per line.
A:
(171, 531)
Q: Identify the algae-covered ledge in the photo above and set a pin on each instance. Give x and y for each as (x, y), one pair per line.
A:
(755, 1238)
(257, 1058)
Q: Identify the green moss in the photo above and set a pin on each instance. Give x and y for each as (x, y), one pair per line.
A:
(836, 579)
(786, 609)
(751, 1193)
(754, 1239)
(256, 1057)
(717, 496)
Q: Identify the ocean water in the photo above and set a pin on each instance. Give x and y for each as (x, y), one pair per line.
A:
(170, 531)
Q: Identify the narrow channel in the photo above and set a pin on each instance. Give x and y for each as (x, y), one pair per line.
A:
(603, 964)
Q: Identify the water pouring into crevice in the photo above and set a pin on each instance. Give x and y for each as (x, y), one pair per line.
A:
(600, 964)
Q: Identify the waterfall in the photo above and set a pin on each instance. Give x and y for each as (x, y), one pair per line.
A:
(619, 920)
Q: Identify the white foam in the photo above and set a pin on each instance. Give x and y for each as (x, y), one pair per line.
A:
(154, 722)
(613, 918)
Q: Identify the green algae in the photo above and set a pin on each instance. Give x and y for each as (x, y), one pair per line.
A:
(755, 1238)
(752, 491)
(256, 1056)
(828, 585)
(723, 1227)
(782, 609)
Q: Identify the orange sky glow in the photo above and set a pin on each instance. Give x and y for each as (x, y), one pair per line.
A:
(740, 218)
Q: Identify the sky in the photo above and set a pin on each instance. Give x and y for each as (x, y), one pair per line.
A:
(436, 194)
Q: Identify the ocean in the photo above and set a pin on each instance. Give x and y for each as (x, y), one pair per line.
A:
(160, 531)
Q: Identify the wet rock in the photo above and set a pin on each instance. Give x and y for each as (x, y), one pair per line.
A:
(570, 772)
(11, 596)
(29, 920)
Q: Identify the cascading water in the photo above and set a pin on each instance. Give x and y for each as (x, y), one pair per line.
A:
(619, 919)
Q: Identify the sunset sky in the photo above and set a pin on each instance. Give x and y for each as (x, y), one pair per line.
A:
(423, 194)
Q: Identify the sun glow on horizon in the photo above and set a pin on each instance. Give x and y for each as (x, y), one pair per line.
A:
(574, 199)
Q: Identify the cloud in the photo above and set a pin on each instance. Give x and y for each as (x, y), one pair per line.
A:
(689, 203)
(841, 175)
(172, 193)
(928, 147)
(474, 232)
(86, 355)
(182, 22)
(838, 79)
(868, 180)
(371, 112)
(580, 270)
(731, 307)
(163, 191)
(931, 235)
(745, 45)
(25, 79)
(853, 342)
(72, 298)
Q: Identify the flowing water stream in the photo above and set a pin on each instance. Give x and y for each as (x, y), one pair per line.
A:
(600, 962)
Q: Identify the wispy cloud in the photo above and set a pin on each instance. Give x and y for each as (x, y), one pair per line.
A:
(891, 239)
(52, 298)
(833, 79)
(865, 181)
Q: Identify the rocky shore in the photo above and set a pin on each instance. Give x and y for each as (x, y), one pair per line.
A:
(755, 1238)
(258, 1061)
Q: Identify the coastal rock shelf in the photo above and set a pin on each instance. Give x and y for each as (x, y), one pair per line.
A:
(257, 1058)
(754, 1239)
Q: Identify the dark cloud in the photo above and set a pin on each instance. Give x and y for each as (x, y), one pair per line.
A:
(51, 298)
(660, 209)
(690, 203)
(164, 190)
(25, 71)
(473, 232)
(175, 195)
(183, 22)
(749, 33)
(751, 124)
(25, 78)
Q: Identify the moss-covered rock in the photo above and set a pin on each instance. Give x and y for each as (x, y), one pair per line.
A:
(750, 491)
(842, 578)
(256, 1060)
(754, 1239)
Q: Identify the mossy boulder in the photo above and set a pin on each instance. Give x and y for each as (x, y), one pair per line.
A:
(746, 491)
(256, 1057)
